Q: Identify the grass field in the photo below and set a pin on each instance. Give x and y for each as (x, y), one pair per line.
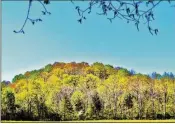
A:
(97, 121)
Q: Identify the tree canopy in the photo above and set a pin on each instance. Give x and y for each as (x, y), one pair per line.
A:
(80, 91)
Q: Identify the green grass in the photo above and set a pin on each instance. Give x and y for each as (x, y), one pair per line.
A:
(100, 121)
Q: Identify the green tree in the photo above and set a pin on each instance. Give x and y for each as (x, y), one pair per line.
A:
(8, 104)
(66, 109)
(77, 100)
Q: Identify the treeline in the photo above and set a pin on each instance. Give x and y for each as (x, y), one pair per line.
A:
(79, 91)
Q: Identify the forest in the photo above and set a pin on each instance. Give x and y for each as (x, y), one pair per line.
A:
(81, 91)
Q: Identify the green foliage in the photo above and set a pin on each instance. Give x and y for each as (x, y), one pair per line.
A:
(18, 77)
(66, 109)
(8, 103)
(79, 91)
(77, 101)
(48, 68)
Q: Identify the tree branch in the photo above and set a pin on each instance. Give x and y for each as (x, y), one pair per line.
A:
(33, 21)
(129, 11)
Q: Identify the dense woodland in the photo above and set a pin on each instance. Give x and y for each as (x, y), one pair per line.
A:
(79, 91)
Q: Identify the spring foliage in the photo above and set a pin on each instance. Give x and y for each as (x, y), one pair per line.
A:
(79, 91)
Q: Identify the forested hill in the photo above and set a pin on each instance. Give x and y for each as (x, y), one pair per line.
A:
(79, 91)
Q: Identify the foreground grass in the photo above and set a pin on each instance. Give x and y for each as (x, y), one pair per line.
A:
(96, 121)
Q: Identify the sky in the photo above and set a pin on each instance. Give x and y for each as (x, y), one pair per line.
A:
(60, 38)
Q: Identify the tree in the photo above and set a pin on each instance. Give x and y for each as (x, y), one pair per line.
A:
(166, 88)
(155, 75)
(77, 100)
(18, 77)
(8, 104)
(48, 68)
(152, 97)
(133, 11)
(138, 87)
(65, 95)
(97, 69)
(128, 102)
(97, 104)
(66, 109)
(4, 84)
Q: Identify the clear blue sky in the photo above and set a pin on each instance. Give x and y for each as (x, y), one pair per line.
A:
(61, 38)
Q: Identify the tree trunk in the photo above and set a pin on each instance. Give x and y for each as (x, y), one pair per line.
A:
(165, 97)
(115, 106)
(153, 108)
